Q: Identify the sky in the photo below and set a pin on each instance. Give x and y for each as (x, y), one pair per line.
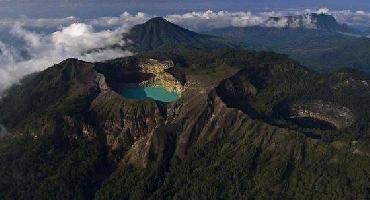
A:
(35, 34)
(98, 8)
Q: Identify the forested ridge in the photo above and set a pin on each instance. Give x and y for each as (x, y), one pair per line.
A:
(232, 134)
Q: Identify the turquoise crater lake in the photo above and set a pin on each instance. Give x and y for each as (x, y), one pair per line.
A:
(153, 93)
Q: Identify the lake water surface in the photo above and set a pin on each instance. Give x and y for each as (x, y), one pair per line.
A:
(153, 93)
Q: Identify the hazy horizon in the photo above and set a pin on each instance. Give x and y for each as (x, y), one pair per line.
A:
(89, 9)
(184, 99)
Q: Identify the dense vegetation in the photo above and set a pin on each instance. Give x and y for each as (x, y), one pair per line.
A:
(236, 147)
(56, 91)
(317, 49)
(263, 91)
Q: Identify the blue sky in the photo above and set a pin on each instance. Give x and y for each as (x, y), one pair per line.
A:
(95, 8)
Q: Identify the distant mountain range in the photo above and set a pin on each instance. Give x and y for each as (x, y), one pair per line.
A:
(246, 125)
(316, 40)
(311, 21)
(322, 45)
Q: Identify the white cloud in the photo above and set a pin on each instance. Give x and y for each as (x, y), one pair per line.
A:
(124, 20)
(358, 18)
(81, 37)
(77, 40)
(87, 39)
(47, 41)
(209, 19)
(323, 11)
(38, 23)
(194, 20)
(106, 54)
(203, 20)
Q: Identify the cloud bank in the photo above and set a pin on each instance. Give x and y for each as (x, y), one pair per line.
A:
(31, 45)
(95, 40)
(204, 20)
(41, 51)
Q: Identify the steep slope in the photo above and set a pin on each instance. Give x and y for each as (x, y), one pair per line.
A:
(46, 94)
(43, 153)
(207, 144)
(283, 95)
(158, 33)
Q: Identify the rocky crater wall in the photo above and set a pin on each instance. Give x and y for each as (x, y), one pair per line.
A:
(160, 76)
(340, 116)
(143, 72)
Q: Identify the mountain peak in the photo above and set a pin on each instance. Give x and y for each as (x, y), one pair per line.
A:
(158, 23)
(157, 20)
(159, 33)
(311, 21)
(161, 24)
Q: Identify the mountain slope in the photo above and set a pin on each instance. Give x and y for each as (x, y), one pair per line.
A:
(317, 49)
(42, 155)
(47, 93)
(253, 125)
(158, 33)
(224, 138)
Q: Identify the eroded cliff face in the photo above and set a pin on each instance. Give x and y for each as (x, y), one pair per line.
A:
(133, 128)
(142, 73)
(160, 76)
(200, 131)
(203, 113)
(130, 125)
(124, 123)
